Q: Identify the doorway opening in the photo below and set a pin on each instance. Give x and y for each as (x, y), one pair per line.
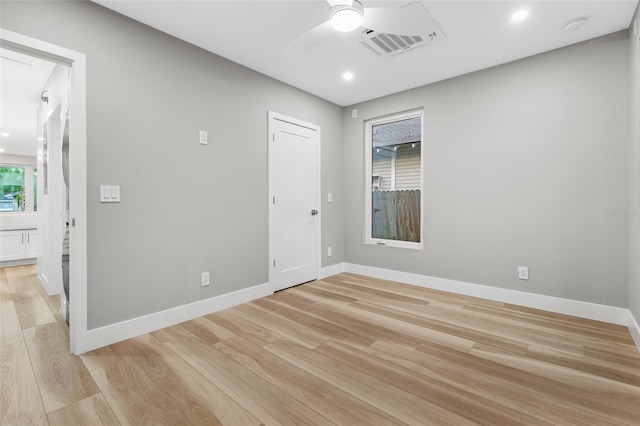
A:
(61, 204)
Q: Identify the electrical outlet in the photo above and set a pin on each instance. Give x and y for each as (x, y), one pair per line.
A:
(204, 279)
(523, 272)
(329, 251)
(354, 113)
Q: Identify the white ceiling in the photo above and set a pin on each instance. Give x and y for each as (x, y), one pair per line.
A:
(22, 78)
(479, 34)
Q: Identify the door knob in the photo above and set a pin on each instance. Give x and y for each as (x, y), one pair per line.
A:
(314, 212)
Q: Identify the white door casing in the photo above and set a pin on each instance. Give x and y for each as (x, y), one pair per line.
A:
(294, 201)
(79, 336)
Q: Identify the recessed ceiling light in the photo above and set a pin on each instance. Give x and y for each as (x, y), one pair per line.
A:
(347, 76)
(519, 15)
(5, 134)
(576, 24)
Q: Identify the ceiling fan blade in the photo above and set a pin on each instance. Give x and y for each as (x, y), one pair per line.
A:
(398, 21)
(310, 39)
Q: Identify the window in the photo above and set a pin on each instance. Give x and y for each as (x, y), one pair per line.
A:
(17, 188)
(394, 180)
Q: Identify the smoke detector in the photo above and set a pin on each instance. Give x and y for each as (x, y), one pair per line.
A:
(383, 44)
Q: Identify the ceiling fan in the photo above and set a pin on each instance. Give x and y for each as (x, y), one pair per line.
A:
(349, 15)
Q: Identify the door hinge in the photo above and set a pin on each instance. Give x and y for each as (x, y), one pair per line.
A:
(273, 137)
(274, 263)
(274, 200)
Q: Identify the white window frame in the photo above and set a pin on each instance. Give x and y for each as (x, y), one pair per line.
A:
(368, 239)
(29, 186)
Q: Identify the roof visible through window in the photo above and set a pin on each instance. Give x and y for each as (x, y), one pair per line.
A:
(397, 132)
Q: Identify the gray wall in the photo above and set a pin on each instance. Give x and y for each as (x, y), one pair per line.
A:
(185, 208)
(521, 163)
(634, 176)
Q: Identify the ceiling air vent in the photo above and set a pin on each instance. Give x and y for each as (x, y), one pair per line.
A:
(382, 44)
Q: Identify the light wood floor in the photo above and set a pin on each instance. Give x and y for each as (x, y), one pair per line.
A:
(345, 350)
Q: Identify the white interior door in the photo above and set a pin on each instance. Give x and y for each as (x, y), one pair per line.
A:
(294, 237)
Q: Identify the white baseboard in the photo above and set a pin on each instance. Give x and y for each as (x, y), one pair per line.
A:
(113, 333)
(332, 270)
(48, 286)
(118, 332)
(19, 262)
(44, 282)
(594, 311)
(634, 329)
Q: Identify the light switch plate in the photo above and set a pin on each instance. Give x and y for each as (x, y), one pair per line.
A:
(330, 197)
(109, 193)
(204, 139)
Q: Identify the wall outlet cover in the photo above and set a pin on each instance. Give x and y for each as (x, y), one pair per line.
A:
(204, 279)
(523, 272)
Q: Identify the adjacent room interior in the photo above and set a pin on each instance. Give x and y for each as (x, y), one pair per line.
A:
(239, 212)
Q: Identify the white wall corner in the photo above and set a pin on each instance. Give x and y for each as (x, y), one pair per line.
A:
(634, 329)
(118, 332)
(594, 311)
(46, 285)
(327, 271)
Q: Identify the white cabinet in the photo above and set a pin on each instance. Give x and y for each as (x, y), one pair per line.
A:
(17, 245)
(11, 245)
(31, 249)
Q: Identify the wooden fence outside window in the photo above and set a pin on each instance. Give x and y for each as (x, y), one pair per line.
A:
(396, 215)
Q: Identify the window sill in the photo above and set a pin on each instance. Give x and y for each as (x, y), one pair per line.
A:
(396, 244)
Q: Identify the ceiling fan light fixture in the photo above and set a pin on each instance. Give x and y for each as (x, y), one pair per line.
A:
(520, 15)
(347, 18)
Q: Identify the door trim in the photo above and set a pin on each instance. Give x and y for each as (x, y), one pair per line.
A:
(272, 117)
(76, 61)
